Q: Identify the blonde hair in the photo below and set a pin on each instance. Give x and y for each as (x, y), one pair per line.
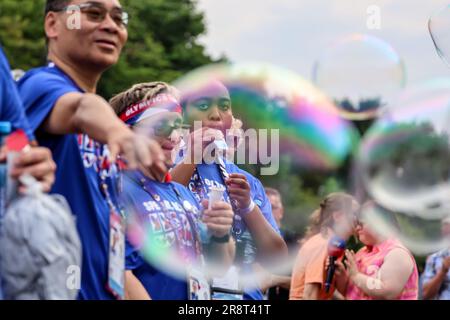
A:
(322, 218)
(140, 92)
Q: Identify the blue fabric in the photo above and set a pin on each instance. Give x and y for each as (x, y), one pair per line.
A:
(78, 160)
(211, 176)
(172, 228)
(11, 108)
(433, 266)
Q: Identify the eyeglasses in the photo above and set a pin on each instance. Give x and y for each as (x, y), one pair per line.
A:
(96, 12)
(165, 128)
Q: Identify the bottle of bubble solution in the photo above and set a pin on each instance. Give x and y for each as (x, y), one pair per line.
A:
(5, 130)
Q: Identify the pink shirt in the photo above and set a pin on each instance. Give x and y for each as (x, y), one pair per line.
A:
(369, 262)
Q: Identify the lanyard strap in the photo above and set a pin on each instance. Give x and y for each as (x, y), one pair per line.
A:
(103, 166)
(238, 224)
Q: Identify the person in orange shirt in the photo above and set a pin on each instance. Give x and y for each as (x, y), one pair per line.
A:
(335, 216)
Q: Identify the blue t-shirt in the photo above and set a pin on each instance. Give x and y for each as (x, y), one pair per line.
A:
(11, 108)
(80, 163)
(210, 175)
(167, 219)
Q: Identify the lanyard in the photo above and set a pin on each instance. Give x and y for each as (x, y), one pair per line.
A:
(146, 185)
(238, 224)
(103, 167)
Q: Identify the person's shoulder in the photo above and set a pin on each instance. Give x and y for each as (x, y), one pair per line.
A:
(400, 257)
(45, 77)
(129, 183)
(315, 243)
(232, 168)
(179, 187)
(4, 64)
(36, 74)
(432, 258)
(183, 190)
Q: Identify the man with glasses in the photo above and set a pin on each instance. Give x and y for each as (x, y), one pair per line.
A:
(76, 124)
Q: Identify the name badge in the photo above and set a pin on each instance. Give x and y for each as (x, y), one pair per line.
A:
(198, 285)
(116, 268)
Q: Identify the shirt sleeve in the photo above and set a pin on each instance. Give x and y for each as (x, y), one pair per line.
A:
(314, 271)
(133, 259)
(40, 92)
(430, 270)
(11, 105)
(262, 201)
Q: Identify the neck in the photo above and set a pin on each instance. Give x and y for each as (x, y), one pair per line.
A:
(379, 240)
(151, 175)
(86, 78)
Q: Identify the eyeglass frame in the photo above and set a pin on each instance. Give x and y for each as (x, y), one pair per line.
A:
(125, 21)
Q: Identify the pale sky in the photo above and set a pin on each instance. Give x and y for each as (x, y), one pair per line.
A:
(293, 33)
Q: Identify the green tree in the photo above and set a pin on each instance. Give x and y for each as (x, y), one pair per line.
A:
(21, 32)
(163, 40)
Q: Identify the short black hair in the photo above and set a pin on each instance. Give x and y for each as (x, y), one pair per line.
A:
(55, 5)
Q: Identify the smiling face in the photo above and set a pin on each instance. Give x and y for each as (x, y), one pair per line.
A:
(97, 43)
(211, 105)
(165, 128)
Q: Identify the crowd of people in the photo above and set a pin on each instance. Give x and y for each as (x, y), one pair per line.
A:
(86, 148)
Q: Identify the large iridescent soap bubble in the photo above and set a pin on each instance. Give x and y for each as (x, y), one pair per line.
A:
(361, 73)
(439, 28)
(288, 130)
(311, 132)
(402, 163)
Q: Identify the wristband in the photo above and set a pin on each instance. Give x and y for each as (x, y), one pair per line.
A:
(223, 239)
(245, 211)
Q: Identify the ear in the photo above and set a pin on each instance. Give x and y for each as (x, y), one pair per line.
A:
(51, 25)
